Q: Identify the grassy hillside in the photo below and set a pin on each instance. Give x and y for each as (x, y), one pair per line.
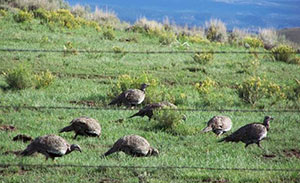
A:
(84, 80)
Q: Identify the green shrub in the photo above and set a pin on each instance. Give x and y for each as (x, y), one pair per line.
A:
(216, 31)
(109, 34)
(171, 121)
(42, 14)
(167, 38)
(283, 53)
(205, 86)
(3, 13)
(253, 42)
(20, 77)
(23, 16)
(203, 58)
(254, 88)
(197, 39)
(43, 79)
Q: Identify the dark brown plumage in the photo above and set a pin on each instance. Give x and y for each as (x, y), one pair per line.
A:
(51, 146)
(84, 126)
(148, 109)
(218, 124)
(133, 145)
(130, 97)
(250, 133)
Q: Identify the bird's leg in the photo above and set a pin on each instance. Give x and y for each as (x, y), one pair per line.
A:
(246, 145)
(258, 144)
(75, 136)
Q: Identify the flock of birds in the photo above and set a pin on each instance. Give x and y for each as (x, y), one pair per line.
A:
(55, 146)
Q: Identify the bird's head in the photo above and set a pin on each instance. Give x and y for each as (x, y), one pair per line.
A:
(153, 152)
(144, 86)
(268, 118)
(75, 147)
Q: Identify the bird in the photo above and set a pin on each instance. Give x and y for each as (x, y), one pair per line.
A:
(250, 133)
(85, 126)
(148, 109)
(133, 145)
(218, 124)
(130, 97)
(50, 146)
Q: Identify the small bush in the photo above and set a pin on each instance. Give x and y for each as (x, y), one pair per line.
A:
(268, 36)
(109, 34)
(43, 79)
(237, 36)
(283, 53)
(20, 77)
(42, 14)
(36, 4)
(216, 31)
(167, 38)
(254, 88)
(253, 42)
(205, 86)
(203, 58)
(23, 16)
(197, 39)
(3, 13)
(172, 122)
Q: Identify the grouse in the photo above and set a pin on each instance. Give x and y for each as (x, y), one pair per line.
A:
(250, 133)
(131, 97)
(50, 146)
(148, 109)
(219, 125)
(133, 145)
(83, 126)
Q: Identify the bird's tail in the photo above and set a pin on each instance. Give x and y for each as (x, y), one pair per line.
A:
(66, 129)
(27, 152)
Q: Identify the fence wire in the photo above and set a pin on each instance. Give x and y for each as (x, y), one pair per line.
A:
(3, 165)
(168, 109)
(135, 52)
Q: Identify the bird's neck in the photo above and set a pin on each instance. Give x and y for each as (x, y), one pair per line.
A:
(267, 124)
(69, 150)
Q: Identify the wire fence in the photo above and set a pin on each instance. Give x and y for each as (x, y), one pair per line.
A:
(168, 109)
(136, 52)
(3, 165)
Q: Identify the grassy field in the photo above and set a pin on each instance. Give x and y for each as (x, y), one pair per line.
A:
(90, 78)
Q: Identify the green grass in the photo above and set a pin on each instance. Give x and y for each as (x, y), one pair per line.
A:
(76, 82)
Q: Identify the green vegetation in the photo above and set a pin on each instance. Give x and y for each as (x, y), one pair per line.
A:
(91, 79)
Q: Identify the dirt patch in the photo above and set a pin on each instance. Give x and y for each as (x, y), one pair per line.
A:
(7, 128)
(292, 152)
(194, 69)
(269, 156)
(89, 103)
(12, 152)
(214, 180)
(23, 138)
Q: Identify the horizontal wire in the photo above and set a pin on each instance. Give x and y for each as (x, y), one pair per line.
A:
(3, 165)
(133, 52)
(129, 109)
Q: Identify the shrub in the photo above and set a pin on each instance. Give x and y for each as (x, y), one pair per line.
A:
(167, 38)
(203, 58)
(20, 77)
(205, 86)
(23, 16)
(42, 14)
(237, 36)
(253, 42)
(197, 39)
(268, 36)
(109, 34)
(283, 53)
(254, 88)
(104, 17)
(35, 4)
(43, 79)
(216, 30)
(3, 13)
(172, 121)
